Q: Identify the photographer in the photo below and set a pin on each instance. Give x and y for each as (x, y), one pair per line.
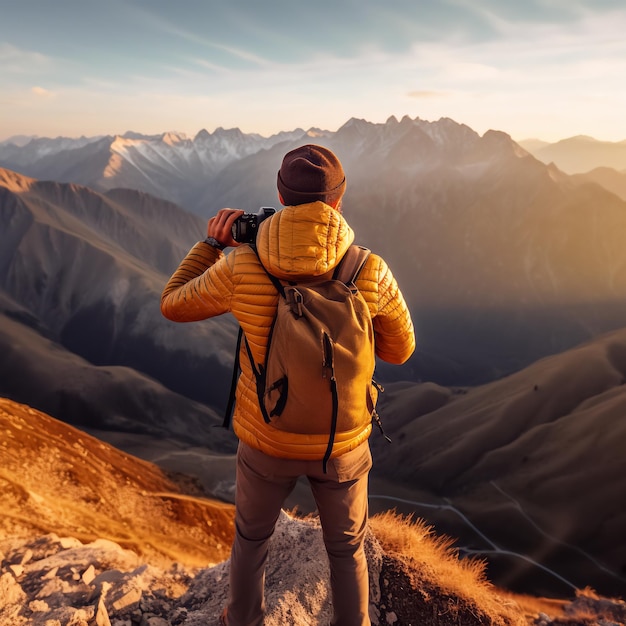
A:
(303, 242)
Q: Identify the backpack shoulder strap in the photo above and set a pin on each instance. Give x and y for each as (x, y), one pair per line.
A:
(351, 264)
(228, 414)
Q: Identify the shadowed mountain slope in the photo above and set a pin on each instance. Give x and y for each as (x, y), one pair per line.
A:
(535, 461)
(81, 275)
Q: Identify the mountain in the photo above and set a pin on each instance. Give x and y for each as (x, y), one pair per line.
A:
(18, 140)
(580, 154)
(170, 166)
(531, 466)
(607, 177)
(82, 337)
(533, 144)
(503, 259)
(58, 479)
(92, 535)
(25, 151)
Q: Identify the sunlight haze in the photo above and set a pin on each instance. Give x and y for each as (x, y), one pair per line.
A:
(549, 69)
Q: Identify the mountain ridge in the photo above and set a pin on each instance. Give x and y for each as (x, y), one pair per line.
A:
(137, 161)
(541, 448)
(580, 154)
(486, 241)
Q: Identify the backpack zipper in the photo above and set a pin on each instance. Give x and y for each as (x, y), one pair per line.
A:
(328, 357)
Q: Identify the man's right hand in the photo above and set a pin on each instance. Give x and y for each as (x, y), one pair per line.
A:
(220, 226)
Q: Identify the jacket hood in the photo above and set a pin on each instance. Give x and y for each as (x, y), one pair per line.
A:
(306, 240)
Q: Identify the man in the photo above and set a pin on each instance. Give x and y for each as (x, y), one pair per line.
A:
(304, 241)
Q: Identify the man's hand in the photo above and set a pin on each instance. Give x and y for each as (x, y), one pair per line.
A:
(220, 226)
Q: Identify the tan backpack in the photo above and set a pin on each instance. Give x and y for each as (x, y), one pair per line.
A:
(319, 365)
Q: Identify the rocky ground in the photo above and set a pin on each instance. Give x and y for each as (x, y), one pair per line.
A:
(59, 581)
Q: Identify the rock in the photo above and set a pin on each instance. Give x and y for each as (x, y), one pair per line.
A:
(27, 556)
(67, 543)
(11, 596)
(127, 600)
(153, 620)
(39, 606)
(89, 575)
(102, 615)
(17, 570)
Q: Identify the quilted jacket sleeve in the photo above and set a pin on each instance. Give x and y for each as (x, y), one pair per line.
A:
(192, 293)
(208, 283)
(393, 328)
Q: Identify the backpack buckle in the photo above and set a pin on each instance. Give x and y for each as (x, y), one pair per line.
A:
(296, 301)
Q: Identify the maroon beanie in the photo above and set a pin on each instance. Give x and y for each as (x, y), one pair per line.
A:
(310, 173)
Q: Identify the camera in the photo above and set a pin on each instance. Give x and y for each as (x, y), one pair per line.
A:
(245, 228)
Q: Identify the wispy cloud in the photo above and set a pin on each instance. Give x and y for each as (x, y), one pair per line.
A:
(201, 63)
(204, 40)
(426, 95)
(242, 54)
(18, 61)
(41, 92)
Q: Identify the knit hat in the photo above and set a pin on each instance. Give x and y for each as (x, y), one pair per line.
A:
(310, 173)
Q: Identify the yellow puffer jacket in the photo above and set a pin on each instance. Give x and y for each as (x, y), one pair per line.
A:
(303, 242)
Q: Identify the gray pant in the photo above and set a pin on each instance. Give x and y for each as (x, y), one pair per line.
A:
(263, 484)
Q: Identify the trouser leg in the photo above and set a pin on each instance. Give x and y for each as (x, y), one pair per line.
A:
(260, 493)
(341, 498)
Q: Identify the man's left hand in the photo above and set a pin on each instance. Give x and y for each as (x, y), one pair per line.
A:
(220, 226)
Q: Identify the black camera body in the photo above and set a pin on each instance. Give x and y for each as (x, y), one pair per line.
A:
(245, 228)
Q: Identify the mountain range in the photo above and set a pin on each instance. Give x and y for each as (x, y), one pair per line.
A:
(580, 154)
(170, 166)
(502, 258)
(515, 273)
(586, 159)
(183, 169)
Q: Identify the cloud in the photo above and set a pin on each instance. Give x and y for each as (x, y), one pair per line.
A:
(18, 61)
(425, 94)
(41, 92)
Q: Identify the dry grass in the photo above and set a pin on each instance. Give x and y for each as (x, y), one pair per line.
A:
(436, 564)
(416, 540)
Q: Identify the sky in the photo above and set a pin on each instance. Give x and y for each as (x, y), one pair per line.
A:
(546, 69)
